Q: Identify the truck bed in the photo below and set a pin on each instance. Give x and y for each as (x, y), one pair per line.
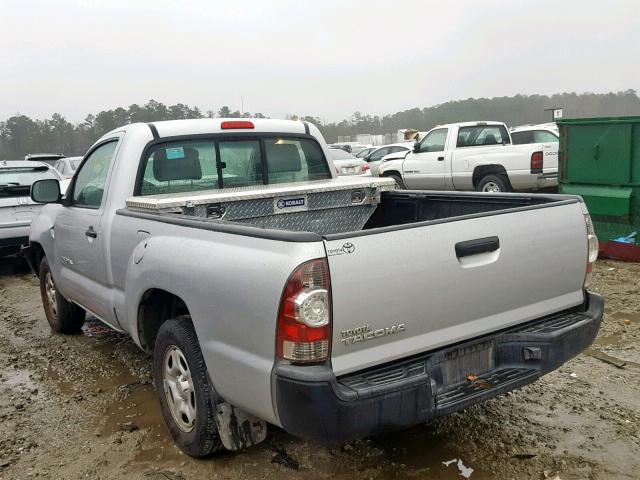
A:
(330, 208)
(407, 207)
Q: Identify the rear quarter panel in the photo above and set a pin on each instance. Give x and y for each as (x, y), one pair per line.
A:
(231, 284)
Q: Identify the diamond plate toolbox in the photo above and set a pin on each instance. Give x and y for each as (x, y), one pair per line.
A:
(327, 206)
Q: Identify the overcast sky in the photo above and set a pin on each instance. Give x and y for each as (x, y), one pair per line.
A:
(326, 58)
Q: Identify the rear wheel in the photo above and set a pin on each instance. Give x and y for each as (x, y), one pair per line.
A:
(186, 399)
(398, 180)
(493, 184)
(62, 315)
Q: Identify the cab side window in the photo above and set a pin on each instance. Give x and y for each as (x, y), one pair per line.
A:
(434, 141)
(91, 179)
(522, 138)
(477, 135)
(378, 154)
(542, 136)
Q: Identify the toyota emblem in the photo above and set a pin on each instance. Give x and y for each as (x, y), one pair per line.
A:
(348, 248)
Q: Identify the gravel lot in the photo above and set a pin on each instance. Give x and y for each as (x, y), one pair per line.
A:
(83, 407)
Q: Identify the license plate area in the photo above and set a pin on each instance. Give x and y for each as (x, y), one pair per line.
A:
(457, 365)
(349, 170)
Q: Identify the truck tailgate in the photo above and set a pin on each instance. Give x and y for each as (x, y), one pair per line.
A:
(411, 289)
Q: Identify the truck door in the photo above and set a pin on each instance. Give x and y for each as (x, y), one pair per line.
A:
(79, 242)
(426, 168)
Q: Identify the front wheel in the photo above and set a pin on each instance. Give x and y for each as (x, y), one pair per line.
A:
(180, 377)
(398, 179)
(493, 184)
(62, 315)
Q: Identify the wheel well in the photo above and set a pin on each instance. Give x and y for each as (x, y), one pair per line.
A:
(388, 173)
(156, 307)
(480, 172)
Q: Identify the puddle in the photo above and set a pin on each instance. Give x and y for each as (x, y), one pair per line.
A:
(140, 407)
(610, 341)
(65, 387)
(419, 448)
(634, 317)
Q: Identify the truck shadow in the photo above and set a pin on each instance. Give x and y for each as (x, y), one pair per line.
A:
(13, 265)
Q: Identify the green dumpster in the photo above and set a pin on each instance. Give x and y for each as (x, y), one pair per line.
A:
(599, 159)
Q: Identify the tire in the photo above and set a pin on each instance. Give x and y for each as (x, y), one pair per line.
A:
(63, 316)
(398, 180)
(494, 184)
(186, 398)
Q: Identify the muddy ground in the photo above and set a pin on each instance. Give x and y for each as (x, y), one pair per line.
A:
(83, 407)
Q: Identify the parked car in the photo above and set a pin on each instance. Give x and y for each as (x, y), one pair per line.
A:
(263, 319)
(356, 149)
(67, 166)
(341, 146)
(364, 152)
(347, 163)
(16, 207)
(473, 156)
(48, 158)
(526, 134)
(376, 156)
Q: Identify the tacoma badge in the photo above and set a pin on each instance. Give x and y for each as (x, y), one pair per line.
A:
(365, 332)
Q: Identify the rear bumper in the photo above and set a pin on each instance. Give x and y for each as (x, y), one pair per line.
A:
(313, 404)
(12, 238)
(546, 180)
(14, 233)
(525, 180)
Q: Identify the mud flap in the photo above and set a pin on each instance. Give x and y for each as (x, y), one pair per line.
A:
(238, 429)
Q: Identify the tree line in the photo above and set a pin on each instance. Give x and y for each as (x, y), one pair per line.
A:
(20, 135)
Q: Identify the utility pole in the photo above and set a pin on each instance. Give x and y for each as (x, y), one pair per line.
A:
(241, 105)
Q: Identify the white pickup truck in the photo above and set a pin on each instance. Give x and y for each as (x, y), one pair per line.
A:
(232, 251)
(473, 156)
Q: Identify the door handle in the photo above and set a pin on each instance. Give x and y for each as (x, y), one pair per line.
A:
(91, 233)
(479, 245)
(441, 159)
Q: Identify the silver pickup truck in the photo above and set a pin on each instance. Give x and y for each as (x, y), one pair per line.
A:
(218, 245)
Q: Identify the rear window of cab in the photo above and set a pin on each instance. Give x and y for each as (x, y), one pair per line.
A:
(193, 165)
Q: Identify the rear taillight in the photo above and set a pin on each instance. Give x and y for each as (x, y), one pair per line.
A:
(536, 162)
(365, 168)
(236, 124)
(304, 319)
(592, 246)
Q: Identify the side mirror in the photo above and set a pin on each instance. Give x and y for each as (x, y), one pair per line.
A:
(416, 147)
(46, 191)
